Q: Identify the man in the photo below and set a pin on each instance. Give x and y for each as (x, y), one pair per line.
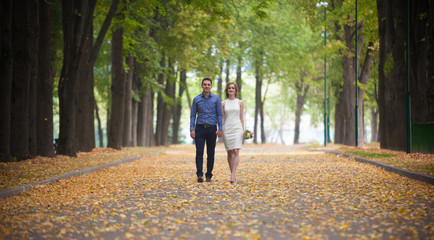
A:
(208, 109)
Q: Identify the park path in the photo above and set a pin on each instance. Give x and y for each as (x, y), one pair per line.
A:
(283, 192)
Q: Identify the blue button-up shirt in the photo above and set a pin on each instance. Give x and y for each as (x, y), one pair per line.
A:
(208, 110)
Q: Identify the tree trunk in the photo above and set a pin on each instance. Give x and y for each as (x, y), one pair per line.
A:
(33, 7)
(127, 127)
(169, 107)
(430, 64)
(161, 105)
(261, 114)
(117, 92)
(6, 67)
(258, 95)
(374, 125)
(44, 85)
(76, 20)
(363, 80)
(391, 86)
(421, 61)
(145, 118)
(86, 99)
(135, 103)
(339, 117)
(302, 90)
(345, 106)
(100, 135)
(228, 69)
(220, 89)
(239, 75)
(19, 142)
(178, 110)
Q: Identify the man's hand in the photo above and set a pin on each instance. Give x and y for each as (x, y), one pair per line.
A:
(219, 133)
(192, 134)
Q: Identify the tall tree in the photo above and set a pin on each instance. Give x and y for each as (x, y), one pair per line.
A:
(258, 96)
(117, 91)
(302, 88)
(44, 101)
(392, 68)
(178, 108)
(363, 80)
(76, 22)
(392, 74)
(19, 142)
(34, 46)
(79, 59)
(127, 140)
(6, 59)
(422, 61)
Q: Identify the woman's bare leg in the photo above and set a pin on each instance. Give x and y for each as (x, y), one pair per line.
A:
(235, 160)
(230, 156)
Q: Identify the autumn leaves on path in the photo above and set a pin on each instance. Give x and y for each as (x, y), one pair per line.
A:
(282, 193)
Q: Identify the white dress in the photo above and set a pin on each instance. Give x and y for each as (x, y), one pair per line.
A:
(232, 127)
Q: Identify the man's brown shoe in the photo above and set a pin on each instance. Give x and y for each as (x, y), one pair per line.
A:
(199, 179)
(208, 179)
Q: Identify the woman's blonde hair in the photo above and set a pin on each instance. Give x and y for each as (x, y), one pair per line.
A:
(227, 86)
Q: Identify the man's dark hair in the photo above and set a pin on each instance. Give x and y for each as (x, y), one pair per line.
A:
(206, 79)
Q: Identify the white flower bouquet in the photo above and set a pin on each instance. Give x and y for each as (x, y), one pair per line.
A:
(248, 134)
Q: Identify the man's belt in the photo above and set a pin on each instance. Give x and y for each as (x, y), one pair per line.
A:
(205, 125)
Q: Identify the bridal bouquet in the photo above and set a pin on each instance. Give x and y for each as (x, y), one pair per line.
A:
(248, 135)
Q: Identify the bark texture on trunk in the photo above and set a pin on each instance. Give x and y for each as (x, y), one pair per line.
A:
(374, 125)
(302, 90)
(6, 59)
(228, 69)
(345, 106)
(258, 98)
(128, 110)
(421, 61)
(76, 21)
(117, 92)
(239, 76)
(391, 86)
(86, 99)
(100, 134)
(145, 118)
(19, 142)
(33, 6)
(220, 90)
(160, 104)
(178, 109)
(135, 103)
(45, 85)
(363, 80)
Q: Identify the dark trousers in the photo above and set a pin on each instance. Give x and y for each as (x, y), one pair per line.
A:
(208, 136)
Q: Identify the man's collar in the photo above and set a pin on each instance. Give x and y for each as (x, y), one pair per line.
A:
(210, 94)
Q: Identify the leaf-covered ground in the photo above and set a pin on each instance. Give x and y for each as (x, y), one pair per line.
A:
(416, 162)
(282, 193)
(15, 174)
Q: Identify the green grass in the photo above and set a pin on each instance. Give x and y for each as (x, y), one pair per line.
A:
(370, 155)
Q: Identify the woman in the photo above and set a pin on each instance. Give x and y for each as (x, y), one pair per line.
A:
(233, 127)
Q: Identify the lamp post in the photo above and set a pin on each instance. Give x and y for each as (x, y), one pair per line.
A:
(357, 80)
(407, 85)
(325, 4)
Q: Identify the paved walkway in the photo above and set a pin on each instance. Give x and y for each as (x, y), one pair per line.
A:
(282, 193)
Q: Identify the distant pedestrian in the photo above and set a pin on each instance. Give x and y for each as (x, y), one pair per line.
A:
(233, 127)
(203, 129)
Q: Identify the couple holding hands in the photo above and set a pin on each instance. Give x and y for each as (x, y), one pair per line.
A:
(206, 113)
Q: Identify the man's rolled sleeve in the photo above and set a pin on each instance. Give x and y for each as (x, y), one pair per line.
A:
(193, 115)
(219, 115)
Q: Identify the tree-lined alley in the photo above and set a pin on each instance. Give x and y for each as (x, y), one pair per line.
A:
(122, 73)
